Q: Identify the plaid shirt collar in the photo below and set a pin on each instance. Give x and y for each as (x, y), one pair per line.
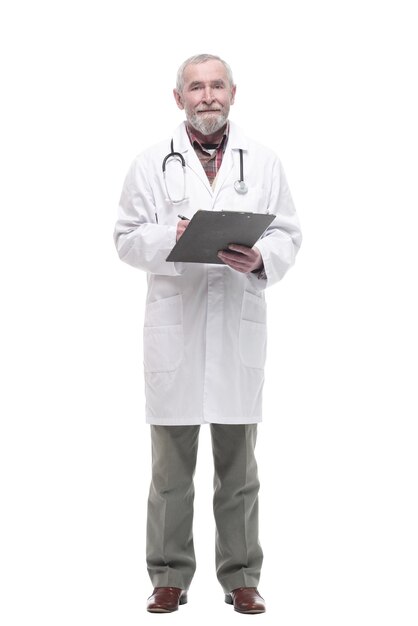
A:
(194, 140)
(210, 161)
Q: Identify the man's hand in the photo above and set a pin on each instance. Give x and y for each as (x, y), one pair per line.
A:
(241, 258)
(181, 227)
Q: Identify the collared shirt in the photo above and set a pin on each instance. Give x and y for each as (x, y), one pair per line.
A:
(210, 155)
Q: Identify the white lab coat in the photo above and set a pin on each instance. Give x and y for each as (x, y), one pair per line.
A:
(205, 324)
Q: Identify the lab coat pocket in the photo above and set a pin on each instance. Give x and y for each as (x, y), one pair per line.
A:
(163, 335)
(253, 331)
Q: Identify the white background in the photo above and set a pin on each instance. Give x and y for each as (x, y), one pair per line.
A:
(332, 87)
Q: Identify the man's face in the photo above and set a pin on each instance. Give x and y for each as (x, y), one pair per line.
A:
(206, 97)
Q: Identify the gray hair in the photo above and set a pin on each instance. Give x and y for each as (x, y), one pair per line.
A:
(201, 58)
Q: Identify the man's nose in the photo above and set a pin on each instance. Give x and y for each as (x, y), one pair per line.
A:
(208, 96)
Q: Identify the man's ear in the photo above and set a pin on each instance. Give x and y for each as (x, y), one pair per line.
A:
(233, 92)
(178, 99)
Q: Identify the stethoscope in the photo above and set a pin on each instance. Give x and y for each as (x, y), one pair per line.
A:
(240, 185)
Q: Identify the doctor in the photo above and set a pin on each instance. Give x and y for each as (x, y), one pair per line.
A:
(205, 330)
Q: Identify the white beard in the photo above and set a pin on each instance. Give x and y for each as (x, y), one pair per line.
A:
(207, 125)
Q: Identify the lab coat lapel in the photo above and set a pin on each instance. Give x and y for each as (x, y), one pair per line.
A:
(236, 141)
(181, 140)
(224, 171)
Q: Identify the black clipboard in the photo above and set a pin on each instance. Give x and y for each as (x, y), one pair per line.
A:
(211, 231)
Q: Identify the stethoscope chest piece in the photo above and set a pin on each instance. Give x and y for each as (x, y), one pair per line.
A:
(240, 187)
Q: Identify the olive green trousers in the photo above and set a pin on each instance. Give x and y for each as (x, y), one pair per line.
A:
(170, 551)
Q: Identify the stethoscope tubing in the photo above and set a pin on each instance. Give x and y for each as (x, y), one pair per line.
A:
(239, 185)
(174, 154)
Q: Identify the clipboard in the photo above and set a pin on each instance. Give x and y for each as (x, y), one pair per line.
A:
(211, 231)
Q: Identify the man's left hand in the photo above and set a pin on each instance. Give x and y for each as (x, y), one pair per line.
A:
(241, 258)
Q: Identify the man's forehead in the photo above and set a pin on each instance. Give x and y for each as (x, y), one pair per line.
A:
(208, 71)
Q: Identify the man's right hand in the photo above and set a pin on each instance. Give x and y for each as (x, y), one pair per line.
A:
(181, 227)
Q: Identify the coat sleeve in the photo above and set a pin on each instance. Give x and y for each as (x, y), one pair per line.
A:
(281, 241)
(139, 239)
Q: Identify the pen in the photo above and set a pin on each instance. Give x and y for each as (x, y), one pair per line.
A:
(183, 217)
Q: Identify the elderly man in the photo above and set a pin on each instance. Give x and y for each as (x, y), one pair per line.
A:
(205, 330)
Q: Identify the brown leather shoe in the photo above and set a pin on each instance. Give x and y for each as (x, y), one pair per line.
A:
(246, 600)
(166, 599)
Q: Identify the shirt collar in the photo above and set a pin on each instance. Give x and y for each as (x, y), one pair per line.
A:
(194, 139)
